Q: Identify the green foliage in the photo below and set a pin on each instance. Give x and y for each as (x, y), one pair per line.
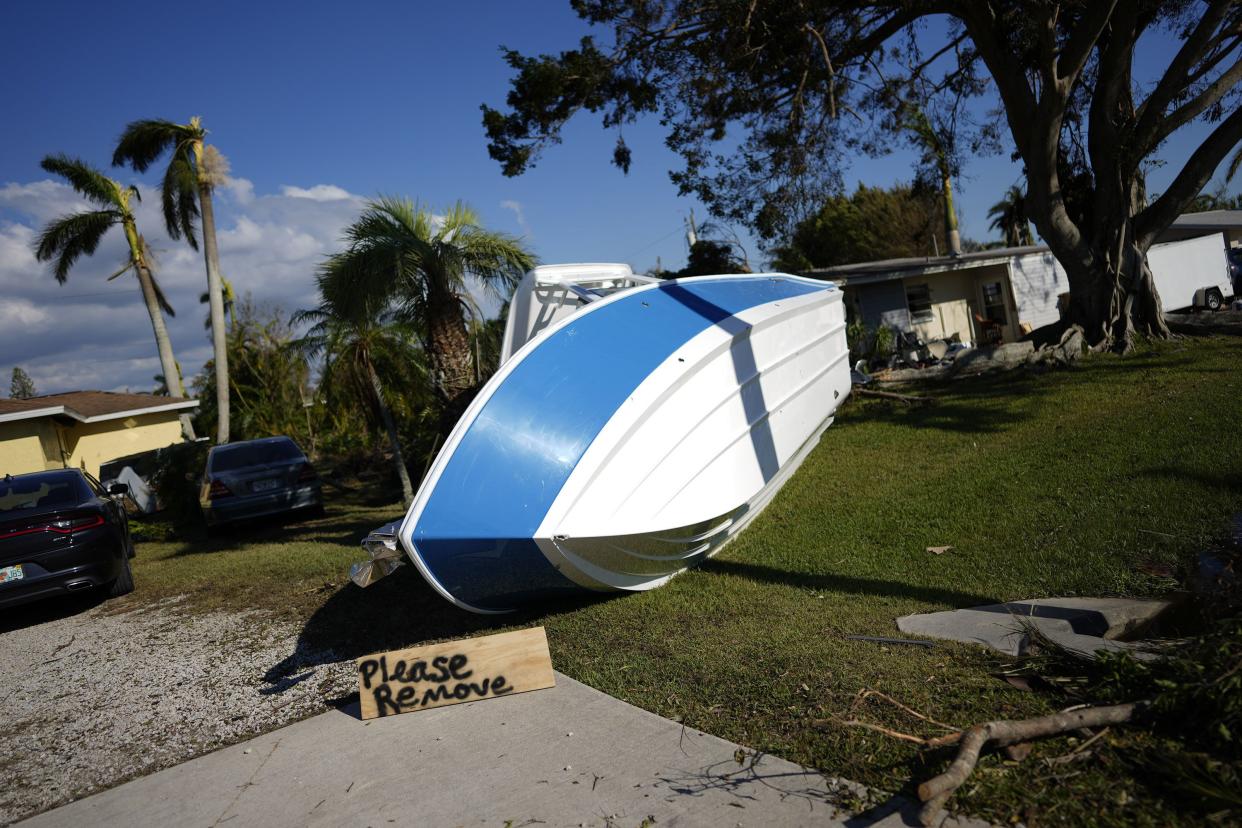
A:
(1195, 691)
(873, 223)
(709, 258)
(21, 387)
(267, 379)
(406, 259)
(142, 143)
(884, 341)
(859, 338)
(176, 480)
(1009, 217)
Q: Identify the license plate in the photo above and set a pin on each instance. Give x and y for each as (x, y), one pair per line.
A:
(11, 573)
(264, 485)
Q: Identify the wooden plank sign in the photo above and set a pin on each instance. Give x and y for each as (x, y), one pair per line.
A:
(454, 672)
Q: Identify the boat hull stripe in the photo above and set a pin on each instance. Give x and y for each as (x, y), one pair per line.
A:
(524, 443)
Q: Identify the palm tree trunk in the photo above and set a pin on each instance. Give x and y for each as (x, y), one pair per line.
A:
(450, 345)
(215, 296)
(172, 375)
(407, 488)
(953, 237)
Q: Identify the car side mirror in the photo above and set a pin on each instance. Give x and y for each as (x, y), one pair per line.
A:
(118, 489)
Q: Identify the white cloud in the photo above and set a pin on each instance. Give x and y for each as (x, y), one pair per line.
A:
(320, 192)
(516, 207)
(92, 333)
(240, 190)
(16, 315)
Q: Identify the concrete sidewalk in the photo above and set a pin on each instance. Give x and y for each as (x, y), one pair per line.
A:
(566, 756)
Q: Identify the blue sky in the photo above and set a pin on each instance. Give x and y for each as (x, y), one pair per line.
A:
(316, 105)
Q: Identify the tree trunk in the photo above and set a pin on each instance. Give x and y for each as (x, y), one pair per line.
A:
(407, 489)
(952, 236)
(215, 297)
(1116, 298)
(451, 360)
(168, 363)
(172, 374)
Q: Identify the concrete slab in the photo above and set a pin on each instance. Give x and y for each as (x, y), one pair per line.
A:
(566, 756)
(1084, 625)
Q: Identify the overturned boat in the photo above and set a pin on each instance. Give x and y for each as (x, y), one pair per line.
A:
(634, 426)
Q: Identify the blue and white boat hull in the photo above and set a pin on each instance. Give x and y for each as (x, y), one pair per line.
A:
(629, 440)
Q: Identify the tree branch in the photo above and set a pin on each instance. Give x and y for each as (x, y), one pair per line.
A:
(1189, 182)
(1174, 78)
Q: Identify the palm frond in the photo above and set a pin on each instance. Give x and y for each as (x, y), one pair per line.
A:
(144, 141)
(72, 236)
(159, 294)
(1234, 163)
(179, 199)
(84, 178)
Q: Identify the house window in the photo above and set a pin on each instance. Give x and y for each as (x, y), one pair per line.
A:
(994, 302)
(918, 299)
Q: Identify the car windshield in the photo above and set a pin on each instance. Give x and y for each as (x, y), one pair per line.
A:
(231, 458)
(41, 491)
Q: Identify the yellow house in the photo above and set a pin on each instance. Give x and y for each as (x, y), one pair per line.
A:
(83, 429)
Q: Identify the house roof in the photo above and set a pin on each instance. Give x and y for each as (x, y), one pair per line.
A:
(1209, 220)
(865, 272)
(91, 406)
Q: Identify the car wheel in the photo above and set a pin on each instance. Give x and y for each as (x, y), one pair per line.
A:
(1214, 300)
(124, 583)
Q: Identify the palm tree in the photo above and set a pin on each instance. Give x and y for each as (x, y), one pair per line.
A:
(354, 333)
(403, 256)
(194, 170)
(1009, 217)
(69, 237)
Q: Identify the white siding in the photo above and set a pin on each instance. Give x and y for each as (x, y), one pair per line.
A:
(1037, 280)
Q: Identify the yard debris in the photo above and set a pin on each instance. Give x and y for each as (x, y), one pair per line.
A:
(938, 550)
(908, 399)
(936, 791)
(881, 640)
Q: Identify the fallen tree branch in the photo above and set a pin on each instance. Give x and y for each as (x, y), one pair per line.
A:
(936, 791)
(890, 395)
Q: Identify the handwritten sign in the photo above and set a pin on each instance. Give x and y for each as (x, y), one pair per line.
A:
(454, 672)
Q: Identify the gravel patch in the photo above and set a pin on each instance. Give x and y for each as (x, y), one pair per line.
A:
(94, 698)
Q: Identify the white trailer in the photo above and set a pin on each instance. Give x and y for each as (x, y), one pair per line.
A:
(1191, 273)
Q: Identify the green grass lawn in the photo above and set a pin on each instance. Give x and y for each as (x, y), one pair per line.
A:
(1044, 484)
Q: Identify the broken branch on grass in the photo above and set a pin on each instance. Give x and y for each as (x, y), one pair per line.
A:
(867, 693)
(936, 791)
(891, 395)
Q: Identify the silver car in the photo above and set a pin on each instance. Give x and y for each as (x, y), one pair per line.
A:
(256, 478)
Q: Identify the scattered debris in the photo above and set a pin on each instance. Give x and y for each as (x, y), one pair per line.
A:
(881, 640)
(889, 395)
(938, 550)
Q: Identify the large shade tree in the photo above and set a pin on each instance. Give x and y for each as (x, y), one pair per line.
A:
(763, 99)
(72, 236)
(194, 170)
(418, 262)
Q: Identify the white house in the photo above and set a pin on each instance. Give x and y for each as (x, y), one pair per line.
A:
(999, 295)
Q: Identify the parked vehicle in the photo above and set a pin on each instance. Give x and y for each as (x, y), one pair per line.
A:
(1193, 273)
(1235, 269)
(61, 532)
(257, 478)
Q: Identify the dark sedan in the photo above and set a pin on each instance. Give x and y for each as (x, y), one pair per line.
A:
(257, 478)
(61, 532)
